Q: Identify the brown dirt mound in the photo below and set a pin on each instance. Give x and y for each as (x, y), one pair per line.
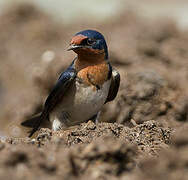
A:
(147, 136)
(171, 164)
(105, 150)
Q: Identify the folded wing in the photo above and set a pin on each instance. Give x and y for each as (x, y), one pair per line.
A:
(54, 98)
(114, 86)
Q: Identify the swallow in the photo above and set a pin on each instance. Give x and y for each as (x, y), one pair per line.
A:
(83, 88)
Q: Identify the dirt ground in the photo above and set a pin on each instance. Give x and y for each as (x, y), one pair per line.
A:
(143, 133)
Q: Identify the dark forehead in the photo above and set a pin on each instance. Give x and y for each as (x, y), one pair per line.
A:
(91, 34)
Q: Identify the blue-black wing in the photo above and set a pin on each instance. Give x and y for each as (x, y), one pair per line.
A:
(63, 83)
(56, 95)
(114, 86)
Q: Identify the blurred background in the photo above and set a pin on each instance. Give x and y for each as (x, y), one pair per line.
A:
(147, 43)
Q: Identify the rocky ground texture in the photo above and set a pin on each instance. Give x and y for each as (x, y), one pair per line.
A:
(143, 133)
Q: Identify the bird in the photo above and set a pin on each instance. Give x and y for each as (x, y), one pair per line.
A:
(83, 88)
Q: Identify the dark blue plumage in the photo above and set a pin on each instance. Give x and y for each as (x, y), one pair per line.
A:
(82, 95)
(55, 95)
(61, 86)
(100, 41)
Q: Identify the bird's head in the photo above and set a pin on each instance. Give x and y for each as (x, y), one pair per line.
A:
(89, 43)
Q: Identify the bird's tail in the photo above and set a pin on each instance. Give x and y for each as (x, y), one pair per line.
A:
(34, 123)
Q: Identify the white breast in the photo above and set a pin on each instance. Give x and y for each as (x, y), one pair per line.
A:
(80, 103)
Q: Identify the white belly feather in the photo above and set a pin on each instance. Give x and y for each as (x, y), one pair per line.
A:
(80, 103)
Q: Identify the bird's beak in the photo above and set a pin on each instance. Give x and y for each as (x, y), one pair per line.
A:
(74, 46)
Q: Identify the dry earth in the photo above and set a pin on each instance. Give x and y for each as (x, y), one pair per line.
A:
(143, 133)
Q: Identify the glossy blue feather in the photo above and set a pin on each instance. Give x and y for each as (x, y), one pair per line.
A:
(100, 40)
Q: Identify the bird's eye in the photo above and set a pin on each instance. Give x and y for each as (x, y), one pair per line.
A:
(90, 41)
